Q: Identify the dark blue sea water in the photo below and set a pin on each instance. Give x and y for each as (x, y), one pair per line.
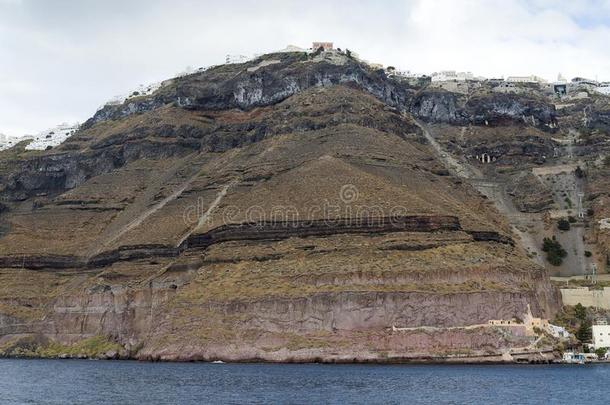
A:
(127, 382)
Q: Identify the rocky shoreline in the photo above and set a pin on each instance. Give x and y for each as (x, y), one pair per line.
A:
(533, 357)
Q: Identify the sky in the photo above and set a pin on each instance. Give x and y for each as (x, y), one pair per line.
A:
(60, 60)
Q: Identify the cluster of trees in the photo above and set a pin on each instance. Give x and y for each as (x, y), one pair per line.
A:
(584, 333)
(564, 224)
(555, 253)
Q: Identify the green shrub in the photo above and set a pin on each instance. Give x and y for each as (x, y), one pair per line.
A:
(563, 225)
(555, 253)
(580, 312)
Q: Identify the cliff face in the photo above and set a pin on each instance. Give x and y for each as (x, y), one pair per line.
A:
(439, 106)
(285, 209)
(261, 83)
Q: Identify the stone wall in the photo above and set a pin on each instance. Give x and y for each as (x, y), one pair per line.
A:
(586, 297)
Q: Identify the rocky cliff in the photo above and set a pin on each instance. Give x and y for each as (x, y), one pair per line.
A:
(285, 209)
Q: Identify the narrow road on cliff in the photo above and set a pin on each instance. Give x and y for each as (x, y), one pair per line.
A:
(567, 189)
(452, 164)
(495, 191)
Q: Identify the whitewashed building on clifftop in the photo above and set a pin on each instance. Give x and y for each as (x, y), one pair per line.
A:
(237, 59)
(7, 142)
(525, 79)
(452, 75)
(327, 46)
(603, 88)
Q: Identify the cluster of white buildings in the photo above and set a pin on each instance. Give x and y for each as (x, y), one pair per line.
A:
(52, 137)
(141, 90)
(600, 333)
(530, 325)
(561, 86)
(47, 139)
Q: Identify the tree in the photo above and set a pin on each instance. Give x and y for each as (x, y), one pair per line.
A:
(555, 253)
(584, 332)
(580, 312)
(601, 351)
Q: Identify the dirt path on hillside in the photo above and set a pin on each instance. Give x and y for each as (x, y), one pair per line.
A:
(137, 212)
(496, 192)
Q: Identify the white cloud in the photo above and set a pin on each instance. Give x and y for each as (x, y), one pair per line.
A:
(60, 60)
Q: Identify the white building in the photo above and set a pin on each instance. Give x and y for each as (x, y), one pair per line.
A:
(558, 331)
(452, 75)
(573, 358)
(601, 335)
(293, 48)
(604, 88)
(525, 79)
(327, 46)
(237, 59)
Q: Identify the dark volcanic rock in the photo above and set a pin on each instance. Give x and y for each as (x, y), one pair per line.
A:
(440, 106)
(500, 109)
(250, 85)
(56, 173)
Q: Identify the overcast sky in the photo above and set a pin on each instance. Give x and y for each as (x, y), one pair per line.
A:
(60, 59)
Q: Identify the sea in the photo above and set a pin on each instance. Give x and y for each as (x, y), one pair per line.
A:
(132, 382)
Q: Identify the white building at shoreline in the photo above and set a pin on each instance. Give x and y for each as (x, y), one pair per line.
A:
(601, 335)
